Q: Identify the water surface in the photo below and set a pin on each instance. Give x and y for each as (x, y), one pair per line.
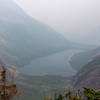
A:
(55, 64)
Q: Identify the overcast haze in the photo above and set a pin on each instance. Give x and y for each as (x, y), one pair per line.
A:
(69, 17)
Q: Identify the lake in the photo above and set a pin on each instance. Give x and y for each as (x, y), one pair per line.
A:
(55, 64)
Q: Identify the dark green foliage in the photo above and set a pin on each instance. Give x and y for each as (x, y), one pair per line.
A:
(60, 97)
(86, 94)
(72, 96)
(91, 94)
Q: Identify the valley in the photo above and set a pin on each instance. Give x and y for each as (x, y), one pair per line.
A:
(46, 61)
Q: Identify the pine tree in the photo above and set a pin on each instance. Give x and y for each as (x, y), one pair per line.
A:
(8, 90)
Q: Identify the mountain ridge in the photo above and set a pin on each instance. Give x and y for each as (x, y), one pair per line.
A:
(88, 75)
(24, 38)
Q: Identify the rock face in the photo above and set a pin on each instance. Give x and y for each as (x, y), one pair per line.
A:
(89, 75)
(23, 38)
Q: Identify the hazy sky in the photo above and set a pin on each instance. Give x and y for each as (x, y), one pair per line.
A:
(72, 18)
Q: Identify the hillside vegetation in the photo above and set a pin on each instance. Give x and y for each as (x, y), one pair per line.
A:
(40, 87)
(82, 58)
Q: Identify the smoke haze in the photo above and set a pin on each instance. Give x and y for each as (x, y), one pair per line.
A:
(72, 18)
